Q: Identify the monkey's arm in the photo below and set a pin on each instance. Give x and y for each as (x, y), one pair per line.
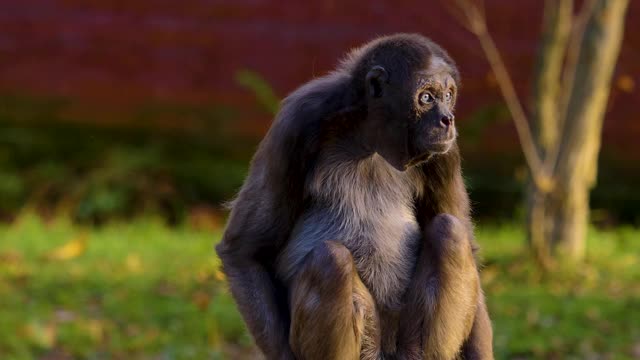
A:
(259, 225)
(254, 291)
(267, 207)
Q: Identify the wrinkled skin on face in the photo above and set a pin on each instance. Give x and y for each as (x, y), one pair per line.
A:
(432, 131)
(412, 111)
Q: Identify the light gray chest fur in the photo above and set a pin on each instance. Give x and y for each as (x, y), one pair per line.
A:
(367, 205)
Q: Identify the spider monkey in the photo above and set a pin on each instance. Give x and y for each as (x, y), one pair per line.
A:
(351, 237)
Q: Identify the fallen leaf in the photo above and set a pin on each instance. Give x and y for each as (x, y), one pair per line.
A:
(219, 275)
(69, 250)
(201, 299)
(95, 329)
(43, 335)
(133, 263)
(10, 257)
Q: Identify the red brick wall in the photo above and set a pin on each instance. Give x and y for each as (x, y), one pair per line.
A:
(108, 57)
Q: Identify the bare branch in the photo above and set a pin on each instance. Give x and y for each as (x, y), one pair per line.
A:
(460, 17)
(547, 88)
(569, 74)
(476, 21)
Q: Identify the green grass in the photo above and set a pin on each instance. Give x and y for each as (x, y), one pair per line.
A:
(139, 291)
(143, 290)
(593, 312)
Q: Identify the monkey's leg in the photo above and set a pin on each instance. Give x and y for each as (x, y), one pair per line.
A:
(479, 344)
(443, 298)
(333, 315)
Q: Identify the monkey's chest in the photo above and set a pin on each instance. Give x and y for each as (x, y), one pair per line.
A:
(385, 254)
(383, 246)
(366, 205)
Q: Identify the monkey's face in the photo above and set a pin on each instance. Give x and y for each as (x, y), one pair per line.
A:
(410, 117)
(432, 130)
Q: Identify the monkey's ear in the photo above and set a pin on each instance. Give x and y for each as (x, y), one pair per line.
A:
(376, 77)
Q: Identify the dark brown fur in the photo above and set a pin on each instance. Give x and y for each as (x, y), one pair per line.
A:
(352, 237)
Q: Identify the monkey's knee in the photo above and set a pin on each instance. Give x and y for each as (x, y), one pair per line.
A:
(326, 277)
(332, 260)
(450, 238)
(323, 316)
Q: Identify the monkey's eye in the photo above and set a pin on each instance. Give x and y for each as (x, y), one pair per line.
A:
(448, 96)
(426, 98)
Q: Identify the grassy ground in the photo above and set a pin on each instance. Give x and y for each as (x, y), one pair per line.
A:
(145, 291)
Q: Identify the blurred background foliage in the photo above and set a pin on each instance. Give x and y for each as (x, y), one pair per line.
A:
(94, 173)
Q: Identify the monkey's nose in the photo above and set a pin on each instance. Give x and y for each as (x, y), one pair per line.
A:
(446, 120)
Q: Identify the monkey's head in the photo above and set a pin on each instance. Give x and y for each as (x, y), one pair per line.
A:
(410, 87)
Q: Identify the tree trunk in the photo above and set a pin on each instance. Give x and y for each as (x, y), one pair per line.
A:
(558, 221)
(545, 114)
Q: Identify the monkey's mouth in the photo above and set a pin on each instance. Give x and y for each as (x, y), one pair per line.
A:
(433, 144)
(434, 148)
(442, 144)
(441, 147)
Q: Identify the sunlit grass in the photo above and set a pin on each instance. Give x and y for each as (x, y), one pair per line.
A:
(592, 312)
(143, 290)
(140, 290)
